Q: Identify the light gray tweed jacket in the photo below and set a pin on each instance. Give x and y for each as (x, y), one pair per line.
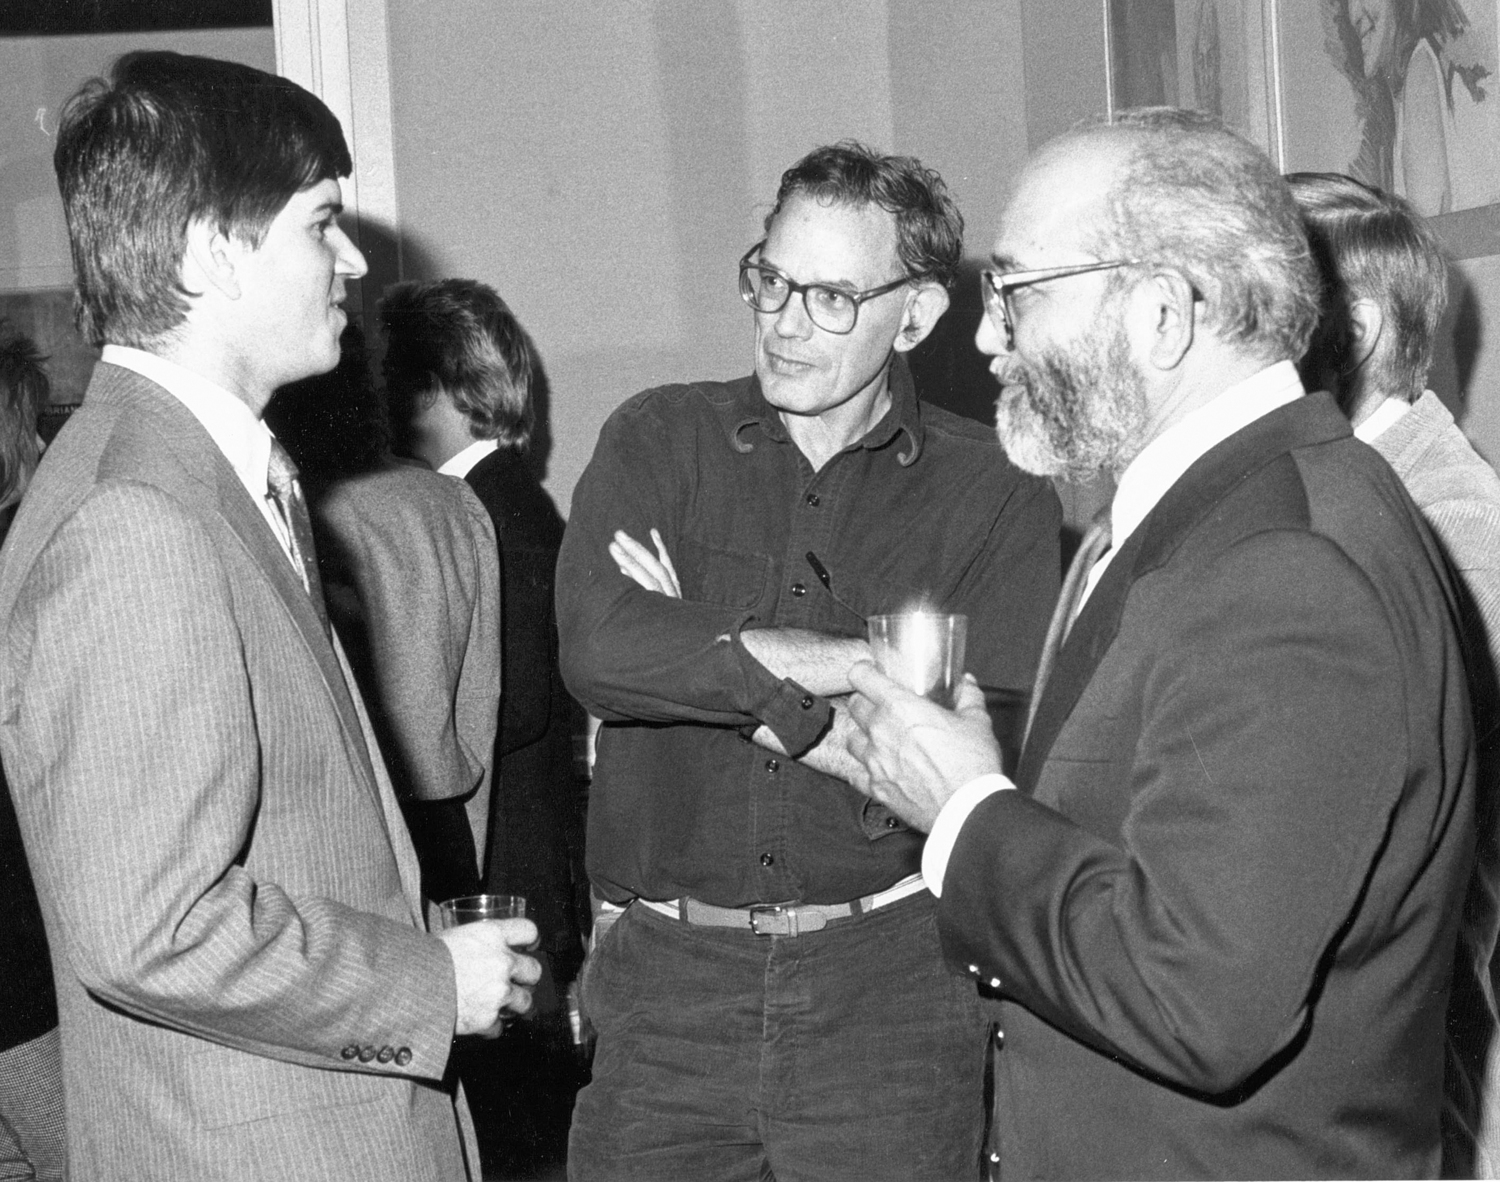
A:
(246, 987)
(1459, 494)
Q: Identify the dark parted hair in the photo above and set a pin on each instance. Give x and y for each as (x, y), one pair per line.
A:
(166, 140)
(24, 391)
(457, 338)
(1195, 196)
(1372, 245)
(929, 228)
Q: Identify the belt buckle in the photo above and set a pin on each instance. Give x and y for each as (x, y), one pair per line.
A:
(785, 919)
(779, 921)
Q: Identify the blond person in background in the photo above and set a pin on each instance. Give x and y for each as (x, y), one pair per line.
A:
(1385, 285)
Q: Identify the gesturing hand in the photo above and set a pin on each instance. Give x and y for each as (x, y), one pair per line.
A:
(915, 754)
(654, 572)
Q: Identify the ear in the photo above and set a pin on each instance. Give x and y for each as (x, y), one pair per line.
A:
(1170, 308)
(211, 260)
(1366, 323)
(923, 308)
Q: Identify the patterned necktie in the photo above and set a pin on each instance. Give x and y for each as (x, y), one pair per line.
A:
(285, 490)
(1093, 547)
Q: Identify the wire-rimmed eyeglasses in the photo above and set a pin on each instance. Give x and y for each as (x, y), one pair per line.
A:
(833, 309)
(996, 287)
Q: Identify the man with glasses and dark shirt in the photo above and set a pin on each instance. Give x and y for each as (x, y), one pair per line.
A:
(766, 983)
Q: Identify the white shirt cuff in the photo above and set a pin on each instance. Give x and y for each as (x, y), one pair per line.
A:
(944, 833)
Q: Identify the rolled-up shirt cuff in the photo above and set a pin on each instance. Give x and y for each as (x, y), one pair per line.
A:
(945, 831)
(797, 717)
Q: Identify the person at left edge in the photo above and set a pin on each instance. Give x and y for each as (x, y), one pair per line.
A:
(246, 987)
(772, 1000)
(32, 1140)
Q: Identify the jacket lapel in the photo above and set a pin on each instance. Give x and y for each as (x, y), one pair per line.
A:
(1308, 420)
(200, 459)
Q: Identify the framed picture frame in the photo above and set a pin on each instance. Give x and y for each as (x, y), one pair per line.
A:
(1402, 94)
(1211, 55)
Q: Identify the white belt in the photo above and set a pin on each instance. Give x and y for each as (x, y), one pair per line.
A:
(778, 919)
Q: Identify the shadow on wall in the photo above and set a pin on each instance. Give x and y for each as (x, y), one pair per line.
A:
(1460, 339)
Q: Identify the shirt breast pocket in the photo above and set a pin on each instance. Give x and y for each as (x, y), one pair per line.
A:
(719, 575)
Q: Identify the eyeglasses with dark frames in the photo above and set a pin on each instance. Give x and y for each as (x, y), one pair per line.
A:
(997, 286)
(833, 309)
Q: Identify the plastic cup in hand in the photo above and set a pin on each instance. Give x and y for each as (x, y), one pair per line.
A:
(924, 651)
(473, 908)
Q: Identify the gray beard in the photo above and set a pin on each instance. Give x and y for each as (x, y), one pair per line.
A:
(1073, 416)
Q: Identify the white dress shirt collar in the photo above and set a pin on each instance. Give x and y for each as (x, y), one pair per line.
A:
(1163, 461)
(243, 438)
(460, 464)
(1381, 419)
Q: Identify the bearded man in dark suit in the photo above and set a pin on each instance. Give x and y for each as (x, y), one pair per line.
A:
(246, 984)
(1217, 905)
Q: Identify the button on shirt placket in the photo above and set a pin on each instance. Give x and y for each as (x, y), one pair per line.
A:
(714, 462)
(804, 602)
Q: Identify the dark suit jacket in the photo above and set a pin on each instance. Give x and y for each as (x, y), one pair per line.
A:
(537, 819)
(230, 895)
(1221, 908)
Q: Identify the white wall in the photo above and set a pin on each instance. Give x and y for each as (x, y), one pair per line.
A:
(604, 165)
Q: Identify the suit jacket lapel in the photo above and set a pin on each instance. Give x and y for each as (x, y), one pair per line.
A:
(1092, 634)
(1308, 420)
(201, 460)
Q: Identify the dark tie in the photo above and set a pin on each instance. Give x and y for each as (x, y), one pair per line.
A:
(286, 490)
(1093, 547)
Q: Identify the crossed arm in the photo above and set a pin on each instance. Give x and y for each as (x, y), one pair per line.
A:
(819, 663)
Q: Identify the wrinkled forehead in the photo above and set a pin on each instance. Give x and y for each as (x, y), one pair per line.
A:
(1058, 202)
(824, 240)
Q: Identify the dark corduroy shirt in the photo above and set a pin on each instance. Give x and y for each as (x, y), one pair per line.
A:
(925, 508)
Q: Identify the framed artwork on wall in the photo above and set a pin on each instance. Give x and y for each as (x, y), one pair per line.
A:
(1206, 54)
(1401, 94)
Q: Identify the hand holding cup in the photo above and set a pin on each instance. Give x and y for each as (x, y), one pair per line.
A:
(492, 978)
